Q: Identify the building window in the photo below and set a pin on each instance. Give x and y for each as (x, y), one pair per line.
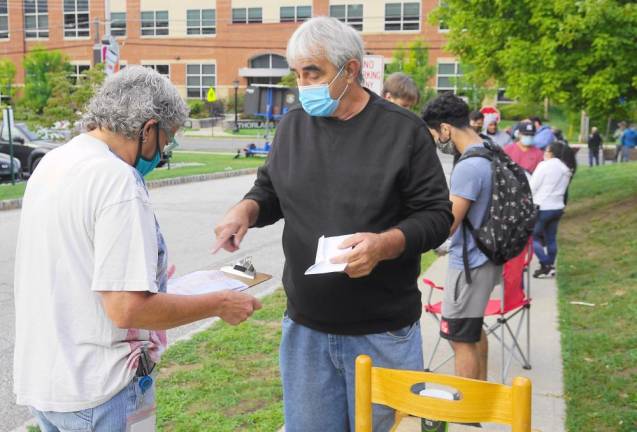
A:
(295, 13)
(4, 19)
(118, 23)
(199, 78)
(76, 72)
(502, 99)
(442, 26)
(201, 22)
(36, 19)
(76, 18)
(349, 14)
(162, 69)
(447, 77)
(402, 16)
(155, 23)
(267, 61)
(247, 15)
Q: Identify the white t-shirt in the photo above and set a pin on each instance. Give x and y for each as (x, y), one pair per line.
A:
(549, 183)
(86, 226)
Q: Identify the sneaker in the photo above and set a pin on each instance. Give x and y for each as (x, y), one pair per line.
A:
(544, 270)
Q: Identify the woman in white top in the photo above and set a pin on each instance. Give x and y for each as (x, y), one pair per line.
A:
(549, 183)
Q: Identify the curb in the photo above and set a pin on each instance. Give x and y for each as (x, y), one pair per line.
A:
(14, 204)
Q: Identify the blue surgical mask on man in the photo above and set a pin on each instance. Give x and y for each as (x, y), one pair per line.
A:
(145, 166)
(526, 140)
(316, 99)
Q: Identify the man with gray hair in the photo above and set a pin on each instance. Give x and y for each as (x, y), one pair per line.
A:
(347, 163)
(91, 267)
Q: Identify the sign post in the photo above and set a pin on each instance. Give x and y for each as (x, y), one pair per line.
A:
(110, 56)
(7, 122)
(374, 73)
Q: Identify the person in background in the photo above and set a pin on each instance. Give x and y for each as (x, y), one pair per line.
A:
(476, 121)
(594, 145)
(91, 266)
(617, 136)
(470, 193)
(497, 137)
(549, 184)
(628, 142)
(344, 163)
(543, 134)
(402, 90)
(522, 151)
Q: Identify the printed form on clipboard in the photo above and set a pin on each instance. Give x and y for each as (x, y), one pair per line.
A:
(204, 282)
(327, 249)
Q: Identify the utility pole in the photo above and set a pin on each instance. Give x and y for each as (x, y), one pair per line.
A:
(97, 46)
(107, 19)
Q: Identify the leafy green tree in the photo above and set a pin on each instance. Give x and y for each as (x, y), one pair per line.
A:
(7, 77)
(289, 80)
(40, 66)
(87, 85)
(414, 61)
(579, 53)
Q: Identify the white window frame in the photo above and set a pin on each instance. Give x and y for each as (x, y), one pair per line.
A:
(155, 28)
(403, 21)
(76, 74)
(354, 22)
(200, 27)
(40, 31)
(125, 21)
(76, 13)
(296, 17)
(457, 73)
(203, 91)
(247, 15)
(153, 66)
(441, 29)
(4, 34)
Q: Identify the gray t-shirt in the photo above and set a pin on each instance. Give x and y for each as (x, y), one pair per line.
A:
(470, 179)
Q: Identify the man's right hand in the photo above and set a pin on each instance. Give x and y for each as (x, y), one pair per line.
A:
(231, 230)
(237, 307)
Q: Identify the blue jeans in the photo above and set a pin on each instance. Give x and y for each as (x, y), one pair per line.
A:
(545, 235)
(108, 417)
(593, 156)
(317, 370)
(625, 153)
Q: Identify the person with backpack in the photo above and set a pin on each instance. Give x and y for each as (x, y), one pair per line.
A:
(480, 241)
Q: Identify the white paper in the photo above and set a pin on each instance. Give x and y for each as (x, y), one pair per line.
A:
(326, 250)
(203, 282)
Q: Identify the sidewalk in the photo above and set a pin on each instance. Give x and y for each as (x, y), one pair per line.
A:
(546, 357)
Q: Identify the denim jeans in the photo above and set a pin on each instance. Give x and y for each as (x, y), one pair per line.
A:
(625, 153)
(108, 417)
(545, 235)
(593, 156)
(317, 370)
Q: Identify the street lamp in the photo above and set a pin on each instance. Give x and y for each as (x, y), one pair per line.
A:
(235, 84)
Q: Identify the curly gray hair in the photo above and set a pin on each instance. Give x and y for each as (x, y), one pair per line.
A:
(128, 99)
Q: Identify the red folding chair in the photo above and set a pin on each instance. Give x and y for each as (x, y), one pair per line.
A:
(511, 310)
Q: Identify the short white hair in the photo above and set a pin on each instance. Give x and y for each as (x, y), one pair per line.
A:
(326, 37)
(131, 97)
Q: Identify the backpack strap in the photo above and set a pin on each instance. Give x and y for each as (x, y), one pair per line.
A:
(465, 254)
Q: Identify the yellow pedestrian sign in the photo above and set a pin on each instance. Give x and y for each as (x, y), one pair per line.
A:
(212, 96)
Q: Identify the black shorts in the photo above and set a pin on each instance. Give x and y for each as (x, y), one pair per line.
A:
(461, 329)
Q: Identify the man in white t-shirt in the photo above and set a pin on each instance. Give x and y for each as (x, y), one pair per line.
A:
(91, 266)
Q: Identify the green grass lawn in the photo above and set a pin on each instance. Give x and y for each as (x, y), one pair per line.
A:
(210, 163)
(252, 132)
(597, 264)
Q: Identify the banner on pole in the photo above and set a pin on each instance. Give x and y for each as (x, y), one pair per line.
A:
(374, 73)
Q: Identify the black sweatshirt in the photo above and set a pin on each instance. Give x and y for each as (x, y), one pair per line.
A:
(376, 171)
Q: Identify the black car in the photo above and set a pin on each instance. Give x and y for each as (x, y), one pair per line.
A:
(27, 147)
(5, 167)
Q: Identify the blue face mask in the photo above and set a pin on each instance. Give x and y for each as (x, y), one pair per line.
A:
(316, 99)
(143, 165)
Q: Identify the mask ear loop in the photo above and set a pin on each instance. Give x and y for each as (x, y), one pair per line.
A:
(140, 144)
(333, 79)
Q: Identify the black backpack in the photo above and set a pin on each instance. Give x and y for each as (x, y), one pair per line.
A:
(511, 214)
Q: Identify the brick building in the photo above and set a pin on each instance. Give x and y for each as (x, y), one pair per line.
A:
(199, 43)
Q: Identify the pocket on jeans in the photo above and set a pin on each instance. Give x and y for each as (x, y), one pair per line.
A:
(404, 332)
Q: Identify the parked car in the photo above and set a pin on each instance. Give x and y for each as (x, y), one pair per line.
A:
(27, 146)
(5, 167)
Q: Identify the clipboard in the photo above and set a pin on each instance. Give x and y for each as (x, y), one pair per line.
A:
(258, 278)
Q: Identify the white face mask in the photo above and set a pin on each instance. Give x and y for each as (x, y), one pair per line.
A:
(526, 140)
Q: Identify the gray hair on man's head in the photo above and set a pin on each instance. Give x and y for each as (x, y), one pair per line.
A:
(131, 97)
(326, 37)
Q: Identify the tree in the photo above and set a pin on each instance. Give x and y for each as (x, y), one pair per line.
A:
(40, 66)
(288, 80)
(414, 61)
(580, 53)
(7, 77)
